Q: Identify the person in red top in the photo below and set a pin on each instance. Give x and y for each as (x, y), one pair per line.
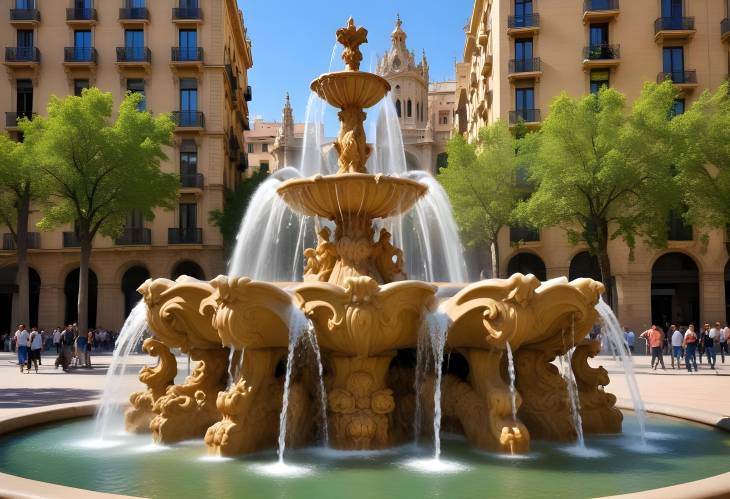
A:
(655, 338)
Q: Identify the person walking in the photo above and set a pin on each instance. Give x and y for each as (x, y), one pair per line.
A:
(690, 348)
(36, 345)
(655, 338)
(21, 345)
(67, 341)
(724, 339)
(711, 338)
(677, 340)
(629, 339)
(89, 345)
(57, 339)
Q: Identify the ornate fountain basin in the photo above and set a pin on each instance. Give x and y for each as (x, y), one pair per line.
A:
(351, 88)
(333, 196)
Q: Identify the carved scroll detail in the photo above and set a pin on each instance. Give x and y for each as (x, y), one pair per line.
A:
(598, 409)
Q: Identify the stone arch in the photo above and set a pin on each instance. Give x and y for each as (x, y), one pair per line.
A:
(675, 290)
(583, 264)
(409, 108)
(131, 280)
(71, 292)
(398, 107)
(8, 291)
(188, 268)
(527, 263)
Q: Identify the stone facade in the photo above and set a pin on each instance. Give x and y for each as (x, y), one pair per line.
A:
(518, 55)
(164, 51)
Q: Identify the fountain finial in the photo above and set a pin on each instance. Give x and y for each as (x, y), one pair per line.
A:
(351, 38)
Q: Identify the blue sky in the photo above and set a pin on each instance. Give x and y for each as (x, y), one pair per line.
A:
(292, 41)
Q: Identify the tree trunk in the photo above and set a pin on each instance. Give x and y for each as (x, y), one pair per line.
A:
(21, 247)
(494, 251)
(604, 263)
(83, 320)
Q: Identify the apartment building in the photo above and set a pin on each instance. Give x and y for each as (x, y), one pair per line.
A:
(189, 58)
(520, 54)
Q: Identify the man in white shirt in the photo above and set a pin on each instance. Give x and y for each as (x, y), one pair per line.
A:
(57, 339)
(21, 345)
(677, 340)
(724, 339)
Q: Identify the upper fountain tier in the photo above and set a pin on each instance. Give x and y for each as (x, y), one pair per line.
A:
(352, 190)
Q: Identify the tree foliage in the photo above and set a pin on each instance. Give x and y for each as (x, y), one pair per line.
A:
(100, 169)
(702, 140)
(228, 220)
(601, 172)
(480, 182)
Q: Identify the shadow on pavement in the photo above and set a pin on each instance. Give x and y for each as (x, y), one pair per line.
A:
(18, 398)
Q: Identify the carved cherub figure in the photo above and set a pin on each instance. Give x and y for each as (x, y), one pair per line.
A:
(351, 38)
(351, 145)
(388, 258)
(321, 260)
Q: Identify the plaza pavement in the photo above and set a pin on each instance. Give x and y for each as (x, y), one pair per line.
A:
(706, 391)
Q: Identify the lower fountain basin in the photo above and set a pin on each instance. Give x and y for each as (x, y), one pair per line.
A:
(334, 196)
(61, 454)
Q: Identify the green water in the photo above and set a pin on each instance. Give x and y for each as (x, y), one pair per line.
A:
(58, 453)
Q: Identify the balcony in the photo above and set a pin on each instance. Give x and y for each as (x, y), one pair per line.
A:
(34, 241)
(25, 18)
(682, 80)
(71, 240)
(674, 28)
(187, 57)
(487, 65)
(523, 25)
(725, 30)
(187, 15)
(242, 165)
(601, 56)
(137, 236)
(192, 180)
(134, 15)
(519, 234)
(247, 95)
(185, 235)
(22, 57)
(189, 119)
(11, 119)
(599, 10)
(83, 57)
(528, 116)
(134, 58)
(81, 16)
(525, 69)
(232, 81)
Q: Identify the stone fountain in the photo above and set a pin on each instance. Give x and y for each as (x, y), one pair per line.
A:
(367, 318)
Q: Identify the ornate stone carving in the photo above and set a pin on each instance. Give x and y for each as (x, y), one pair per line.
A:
(351, 145)
(320, 260)
(598, 410)
(186, 411)
(139, 415)
(351, 38)
(388, 258)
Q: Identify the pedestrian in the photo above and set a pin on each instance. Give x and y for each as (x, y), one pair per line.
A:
(57, 339)
(677, 340)
(36, 345)
(629, 339)
(67, 341)
(80, 350)
(690, 347)
(710, 337)
(655, 339)
(21, 345)
(724, 339)
(700, 345)
(89, 345)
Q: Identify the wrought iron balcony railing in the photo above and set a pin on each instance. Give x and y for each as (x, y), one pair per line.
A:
(71, 240)
(524, 65)
(134, 13)
(192, 180)
(11, 119)
(185, 235)
(135, 236)
(74, 14)
(674, 24)
(79, 54)
(602, 51)
(193, 119)
(187, 13)
(520, 234)
(34, 241)
(523, 21)
(680, 77)
(598, 5)
(25, 15)
(182, 54)
(22, 54)
(134, 54)
(526, 115)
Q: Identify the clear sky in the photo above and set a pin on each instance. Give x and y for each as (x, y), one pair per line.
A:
(292, 41)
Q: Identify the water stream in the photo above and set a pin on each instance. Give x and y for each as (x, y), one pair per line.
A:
(512, 377)
(567, 371)
(438, 326)
(322, 391)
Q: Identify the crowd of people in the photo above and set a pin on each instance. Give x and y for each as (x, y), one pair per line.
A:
(683, 344)
(72, 349)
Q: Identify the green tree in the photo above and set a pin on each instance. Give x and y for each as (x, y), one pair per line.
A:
(100, 169)
(702, 137)
(228, 220)
(480, 181)
(602, 172)
(21, 183)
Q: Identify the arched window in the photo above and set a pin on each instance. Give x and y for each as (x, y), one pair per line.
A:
(397, 107)
(527, 263)
(188, 268)
(418, 111)
(409, 108)
(71, 290)
(675, 291)
(131, 280)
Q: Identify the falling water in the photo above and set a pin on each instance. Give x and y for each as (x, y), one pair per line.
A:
(569, 377)
(114, 390)
(322, 392)
(438, 328)
(298, 324)
(512, 376)
(615, 336)
(231, 367)
(422, 357)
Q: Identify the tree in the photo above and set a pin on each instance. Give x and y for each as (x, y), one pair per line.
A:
(100, 169)
(480, 181)
(702, 137)
(228, 220)
(601, 172)
(21, 183)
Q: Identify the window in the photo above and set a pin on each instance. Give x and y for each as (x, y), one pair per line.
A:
(409, 108)
(673, 63)
(24, 102)
(678, 107)
(25, 4)
(188, 94)
(264, 166)
(82, 45)
(523, 13)
(188, 4)
(79, 86)
(24, 51)
(523, 55)
(397, 108)
(188, 215)
(672, 8)
(135, 220)
(188, 158)
(525, 103)
(82, 4)
(134, 44)
(188, 39)
(264, 147)
(135, 4)
(250, 148)
(443, 117)
(599, 79)
(137, 86)
(599, 34)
